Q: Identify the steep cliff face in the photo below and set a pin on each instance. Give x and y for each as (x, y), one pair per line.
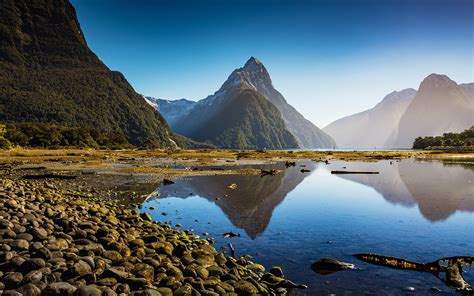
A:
(375, 127)
(49, 74)
(439, 106)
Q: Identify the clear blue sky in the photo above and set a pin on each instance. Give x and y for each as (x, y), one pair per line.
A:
(328, 58)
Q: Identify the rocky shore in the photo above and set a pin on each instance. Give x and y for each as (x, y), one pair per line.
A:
(56, 241)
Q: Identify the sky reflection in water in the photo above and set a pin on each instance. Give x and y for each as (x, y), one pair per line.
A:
(417, 210)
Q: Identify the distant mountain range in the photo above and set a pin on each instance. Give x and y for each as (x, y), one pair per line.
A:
(48, 74)
(246, 112)
(375, 127)
(174, 109)
(439, 106)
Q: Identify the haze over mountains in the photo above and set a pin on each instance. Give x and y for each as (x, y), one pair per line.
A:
(48, 74)
(211, 120)
(439, 106)
(375, 127)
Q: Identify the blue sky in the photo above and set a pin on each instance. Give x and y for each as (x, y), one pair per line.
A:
(329, 58)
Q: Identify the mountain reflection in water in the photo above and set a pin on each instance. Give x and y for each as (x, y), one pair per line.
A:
(251, 204)
(438, 189)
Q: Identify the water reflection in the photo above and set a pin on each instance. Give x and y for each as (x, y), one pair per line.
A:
(438, 189)
(251, 204)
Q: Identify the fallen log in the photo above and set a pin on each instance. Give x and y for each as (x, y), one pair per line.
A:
(353, 172)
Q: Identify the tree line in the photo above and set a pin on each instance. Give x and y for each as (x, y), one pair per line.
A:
(462, 139)
(42, 135)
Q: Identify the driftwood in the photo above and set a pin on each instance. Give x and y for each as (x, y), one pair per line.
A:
(450, 273)
(353, 172)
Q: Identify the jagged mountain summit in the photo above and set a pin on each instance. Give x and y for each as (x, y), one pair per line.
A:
(255, 78)
(375, 127)
(48, 74)
(440, 106)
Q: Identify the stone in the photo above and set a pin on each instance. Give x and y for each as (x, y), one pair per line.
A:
(245, 288)
(26, 236)
(33, 264)
(39, 233)
(12, 280)
(90, 290)
(33, 276)
(81, 268)
(30, 290)
(20, 244)
(59, 289)
(276, 271)
(326, 266)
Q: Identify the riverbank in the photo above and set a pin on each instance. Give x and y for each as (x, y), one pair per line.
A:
(57, 241)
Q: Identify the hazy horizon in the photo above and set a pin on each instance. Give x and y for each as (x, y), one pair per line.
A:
(329, 59)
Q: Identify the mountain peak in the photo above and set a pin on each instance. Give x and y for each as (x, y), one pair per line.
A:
(252, 62)
(405, 94)
(436, 81)
(254, 65)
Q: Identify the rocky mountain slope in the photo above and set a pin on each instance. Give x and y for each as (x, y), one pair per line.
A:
(253, 76)
(469, 91)
(48, 74)
(375, 127)
(439, 106)
(238, 119)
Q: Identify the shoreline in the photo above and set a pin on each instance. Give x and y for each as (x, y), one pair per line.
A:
(66, 242)
(83, 233)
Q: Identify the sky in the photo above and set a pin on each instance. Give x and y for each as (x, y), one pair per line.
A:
(329, 58)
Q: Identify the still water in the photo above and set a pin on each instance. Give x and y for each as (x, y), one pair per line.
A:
(417, 210)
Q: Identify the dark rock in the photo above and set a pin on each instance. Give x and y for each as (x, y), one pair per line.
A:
(276, 271)
(59, 289)
(29, 290)
(136, 283)
(327, 266)
(90, 290)
(12, 280)
(32, 264)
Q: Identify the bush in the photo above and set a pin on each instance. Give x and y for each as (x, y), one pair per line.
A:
(5, 144)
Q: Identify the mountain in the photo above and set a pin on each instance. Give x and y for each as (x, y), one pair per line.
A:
(239, 118)
(375, 127)
(253, 76)
(469, 91)
(172, 110)
(48, 74)
(439, 106)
